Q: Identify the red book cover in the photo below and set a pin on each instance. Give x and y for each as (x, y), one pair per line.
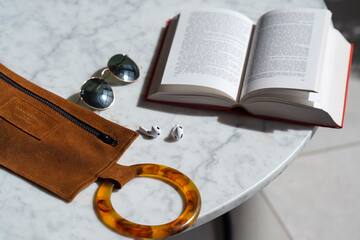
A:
(212, 107)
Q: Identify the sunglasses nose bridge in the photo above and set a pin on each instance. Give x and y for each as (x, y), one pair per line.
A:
(104, 73)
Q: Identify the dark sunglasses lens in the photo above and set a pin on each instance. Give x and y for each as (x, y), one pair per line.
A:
(97, 93)
(123, 68)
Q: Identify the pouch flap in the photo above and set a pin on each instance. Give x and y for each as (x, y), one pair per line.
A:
(63, 148)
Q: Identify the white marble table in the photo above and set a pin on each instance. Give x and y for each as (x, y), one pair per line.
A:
(59, 44)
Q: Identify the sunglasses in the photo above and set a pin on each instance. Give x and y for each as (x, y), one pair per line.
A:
(97, 93)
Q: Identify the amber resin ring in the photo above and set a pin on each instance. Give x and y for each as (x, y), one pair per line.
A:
(186, 188)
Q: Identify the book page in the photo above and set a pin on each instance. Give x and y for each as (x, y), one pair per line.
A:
(287, 51)
(209, 50)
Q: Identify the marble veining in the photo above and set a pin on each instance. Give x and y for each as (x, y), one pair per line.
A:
(60, 44)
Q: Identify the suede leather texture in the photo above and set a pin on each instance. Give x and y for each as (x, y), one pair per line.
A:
(42, 146)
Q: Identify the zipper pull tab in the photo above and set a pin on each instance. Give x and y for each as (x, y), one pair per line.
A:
(108, 140)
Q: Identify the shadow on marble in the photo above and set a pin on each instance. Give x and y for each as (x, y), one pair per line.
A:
(75, 98)
(241, 119)
(236, 118)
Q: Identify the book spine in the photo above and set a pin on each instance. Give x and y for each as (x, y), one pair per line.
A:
(347, 84)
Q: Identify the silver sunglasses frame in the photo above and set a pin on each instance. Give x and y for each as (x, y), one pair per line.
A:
(102, 74)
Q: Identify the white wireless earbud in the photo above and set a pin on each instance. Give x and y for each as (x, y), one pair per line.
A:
(154, 132)
(177, 132)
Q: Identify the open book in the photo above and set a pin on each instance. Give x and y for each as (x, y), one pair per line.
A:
(291, 64)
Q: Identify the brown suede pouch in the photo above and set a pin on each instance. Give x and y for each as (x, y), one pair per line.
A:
(53, 142)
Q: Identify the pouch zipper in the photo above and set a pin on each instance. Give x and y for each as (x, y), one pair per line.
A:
(100, 135)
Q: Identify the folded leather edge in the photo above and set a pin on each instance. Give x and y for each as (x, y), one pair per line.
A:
(118, 174)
